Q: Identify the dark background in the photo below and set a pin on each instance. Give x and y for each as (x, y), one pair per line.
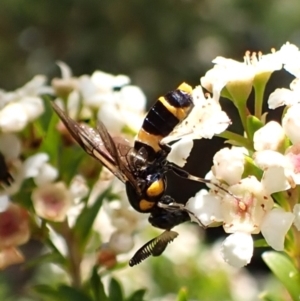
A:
(157, 43)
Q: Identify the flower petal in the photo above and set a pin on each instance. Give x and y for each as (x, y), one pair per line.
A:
(275, 226)
(237, 249)
(180, 151)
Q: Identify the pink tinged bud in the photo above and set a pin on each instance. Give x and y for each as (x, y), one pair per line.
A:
(52, 201)
(106, 257)
(14, 226)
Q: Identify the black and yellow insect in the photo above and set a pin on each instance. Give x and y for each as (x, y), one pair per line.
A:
(143, 167)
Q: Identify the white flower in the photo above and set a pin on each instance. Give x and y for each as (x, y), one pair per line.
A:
(52, 201)
(22, 106)
(37, 167)
(78, 188)
(120, 242)
(290, 57)
(236, 76)
(204, 121)
(206, 206)
(275, 226)
(180, 152)
(237, 249)
(277, 170)
(291, 123)
(229, 164)
(271, 136)
(246, 209)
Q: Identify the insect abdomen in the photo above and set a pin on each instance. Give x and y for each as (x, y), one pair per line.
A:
(166, 113)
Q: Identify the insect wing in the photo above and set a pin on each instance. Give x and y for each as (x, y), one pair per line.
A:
(154, 247)
(92, 142)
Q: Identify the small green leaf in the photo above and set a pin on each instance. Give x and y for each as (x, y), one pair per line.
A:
(250, 168)
(115, 291)
(85, 221)
(284, 269)
(182, 295)
(253, 124)
(137, 295)
(97, 286)
(68, 293)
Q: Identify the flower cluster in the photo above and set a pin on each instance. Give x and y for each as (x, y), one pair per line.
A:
(253, 185)
(260, 171)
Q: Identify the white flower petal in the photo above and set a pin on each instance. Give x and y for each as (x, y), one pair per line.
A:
(33, 106)
(180, 152)
(280, 97)
(271, 136)
(229, 164)
(274, 179)
(65, 70)
(33, 164)
(111, 118)
(206, 207)
(121, 242)
(237, 249)
(13, 118)
(275, 226)
(47, 173)
(291, 123)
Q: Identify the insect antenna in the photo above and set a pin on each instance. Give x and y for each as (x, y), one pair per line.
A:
(186, 175)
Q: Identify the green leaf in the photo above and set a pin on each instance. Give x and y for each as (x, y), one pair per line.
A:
(46, 258)
(137, 295)
(250, 168)
(182, 295)
(115, 291)
(284, 269)
(51, 138)
(97, 286)
(69, 161)
(269, 297)
(46, 292)
(85, 221)
(68, 293)
(253, 124)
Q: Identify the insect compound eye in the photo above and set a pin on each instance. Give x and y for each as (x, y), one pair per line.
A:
(156, 188)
